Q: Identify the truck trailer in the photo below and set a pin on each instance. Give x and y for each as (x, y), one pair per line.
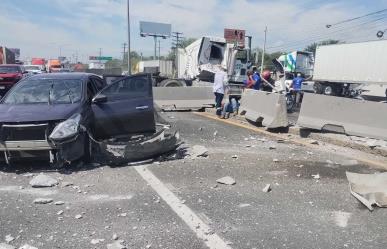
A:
(349, 69)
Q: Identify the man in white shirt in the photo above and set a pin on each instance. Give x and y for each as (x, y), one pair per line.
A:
(219, 88)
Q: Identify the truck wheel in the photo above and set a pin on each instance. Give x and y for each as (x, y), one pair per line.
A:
(318, 88)
(328, 90)
(172, 83)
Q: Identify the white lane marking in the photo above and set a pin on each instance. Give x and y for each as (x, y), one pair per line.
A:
(201, 229)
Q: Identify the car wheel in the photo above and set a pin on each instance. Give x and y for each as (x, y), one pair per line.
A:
(172, 83)
(328, 90)
(87, 149)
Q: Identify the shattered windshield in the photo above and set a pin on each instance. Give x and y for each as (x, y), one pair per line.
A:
(51, 91)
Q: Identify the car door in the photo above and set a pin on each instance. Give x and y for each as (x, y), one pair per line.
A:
(124, 107)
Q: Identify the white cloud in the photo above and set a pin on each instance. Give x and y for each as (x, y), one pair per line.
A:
(90, 24)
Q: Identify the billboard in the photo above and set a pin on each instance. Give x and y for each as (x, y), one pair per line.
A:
(236, 36)
(155, 29)
(16, 52)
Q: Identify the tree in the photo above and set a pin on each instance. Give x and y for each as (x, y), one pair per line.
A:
(134, 59)
(312, 47)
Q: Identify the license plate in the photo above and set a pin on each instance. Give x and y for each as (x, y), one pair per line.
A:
(2, 87)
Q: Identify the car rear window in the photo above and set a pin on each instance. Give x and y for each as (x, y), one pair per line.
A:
(10, 69)
(50, 91)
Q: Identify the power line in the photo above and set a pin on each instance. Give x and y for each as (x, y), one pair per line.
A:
(356, 18)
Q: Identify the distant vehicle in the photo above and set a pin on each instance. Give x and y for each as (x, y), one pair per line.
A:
(33, 69)
(63, 70)
(50, 115)
(10, 74)
(351, 68)
(53, 65)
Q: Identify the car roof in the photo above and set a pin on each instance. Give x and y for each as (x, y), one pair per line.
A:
(67, 76)
(13, 65)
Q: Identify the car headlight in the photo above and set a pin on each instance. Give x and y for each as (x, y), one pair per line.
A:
(66, 129)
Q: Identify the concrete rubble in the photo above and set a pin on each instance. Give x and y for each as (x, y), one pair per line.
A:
(42, 180)
(227, 180)
(267, 188)
(6, 246)
(42, 200)
(117, 245)
(9, 238)
(26, 246)
(369, 189)
(198, 151)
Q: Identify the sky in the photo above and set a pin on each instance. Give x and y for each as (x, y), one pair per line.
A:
(47, 28)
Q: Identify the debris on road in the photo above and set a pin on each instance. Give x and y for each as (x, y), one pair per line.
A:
(215, 133)
(316, 176)
(234, 156)
(227, 180)
(369, 189)
(275, 160)
(314, 142)
(58, 203)
(66, 184)
(42, 180)
(78, 216)
(60, 212)
(117, 245)
(115, 237)
(26, 246)
(243, 205)
(6, 246)
(9, 238)
(42, 201)
(198, 151)
(267, 188)
(96, 241)
(272, 147)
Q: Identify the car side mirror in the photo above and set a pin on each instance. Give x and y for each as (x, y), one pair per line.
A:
(100, 98)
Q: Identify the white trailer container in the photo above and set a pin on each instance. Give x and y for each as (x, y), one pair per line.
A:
(343, 69)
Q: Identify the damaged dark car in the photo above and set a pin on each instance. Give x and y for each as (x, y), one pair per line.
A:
(59, 117)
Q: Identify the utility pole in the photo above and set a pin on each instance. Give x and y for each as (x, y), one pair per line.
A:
(177, 36)
(155, 55)
(100, 55)
(123, 53)
(264, 48)
(159, 48)
(129, 64)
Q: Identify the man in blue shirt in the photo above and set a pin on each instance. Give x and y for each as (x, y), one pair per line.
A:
(256, 79)
(297, 85)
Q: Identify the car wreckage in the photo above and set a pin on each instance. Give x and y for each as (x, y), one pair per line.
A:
(75, 116)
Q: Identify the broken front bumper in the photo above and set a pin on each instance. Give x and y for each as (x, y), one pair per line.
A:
(26, 145)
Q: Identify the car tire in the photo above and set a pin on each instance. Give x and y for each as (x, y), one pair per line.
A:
(87, 149)
(172, 83)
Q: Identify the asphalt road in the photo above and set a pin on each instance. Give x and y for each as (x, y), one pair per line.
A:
(178, 203)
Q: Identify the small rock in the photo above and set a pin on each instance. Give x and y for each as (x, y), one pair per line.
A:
(6, 246)
(228, 180)
(148, 246)
(59, 212)
(42, 180)
(66, 184)
(314, 142)
(42, 201)
(272, 147)
(96, 241)
(26, 246)
(199, 151)
(280, 141)
(275, 160)
(243, 205)
(9, 238)
(234, 157)
(59, 203)
(267, 188)
(123, 214)
(215, 133)
(116, 245)
(115, 237)
(317, 176)
(78, 216)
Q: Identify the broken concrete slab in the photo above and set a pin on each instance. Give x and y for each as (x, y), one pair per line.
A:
(369, 189)
(42, 201)
(227, 180)
(42, 181)
(6, 246)
(96, 241)
(198, 151)
(9, 238)
(117, 245)
(26, 246)
(267, 188)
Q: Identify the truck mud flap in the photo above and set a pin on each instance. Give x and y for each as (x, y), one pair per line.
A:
(266, 107)
(344, 115)
(183, 98)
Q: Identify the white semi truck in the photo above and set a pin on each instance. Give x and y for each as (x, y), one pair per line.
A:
(351, 70)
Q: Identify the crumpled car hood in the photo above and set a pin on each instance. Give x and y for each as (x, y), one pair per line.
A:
(36, 112)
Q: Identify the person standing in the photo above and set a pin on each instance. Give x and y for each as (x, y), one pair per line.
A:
(256, 79)
(296, 85)
(219, 89)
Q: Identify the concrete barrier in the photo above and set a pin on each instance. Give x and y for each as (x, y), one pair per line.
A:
(344, 115)
(266, 107)
(183, 98)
